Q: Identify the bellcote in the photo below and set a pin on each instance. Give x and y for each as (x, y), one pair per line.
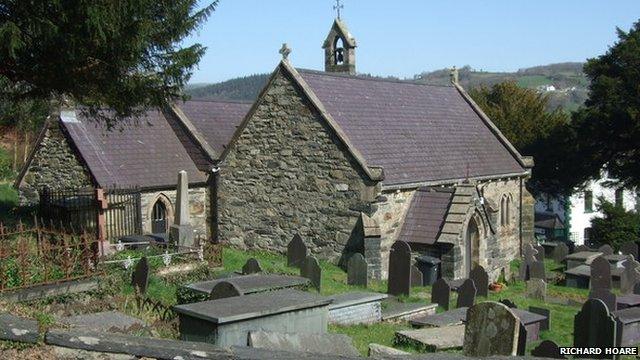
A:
(340, 49)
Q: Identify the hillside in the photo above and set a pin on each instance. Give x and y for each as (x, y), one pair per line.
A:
(565, 83)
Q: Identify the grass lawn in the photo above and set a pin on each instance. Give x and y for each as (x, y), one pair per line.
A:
(8, 203)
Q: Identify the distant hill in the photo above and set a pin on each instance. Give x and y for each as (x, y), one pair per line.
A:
(565, 83)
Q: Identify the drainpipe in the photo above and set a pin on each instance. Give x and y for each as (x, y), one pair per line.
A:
(213, 203)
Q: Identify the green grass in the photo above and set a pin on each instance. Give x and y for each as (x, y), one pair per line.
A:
(380, 333)
(8, 203)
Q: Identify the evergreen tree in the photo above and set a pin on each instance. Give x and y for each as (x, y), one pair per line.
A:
(616, 227)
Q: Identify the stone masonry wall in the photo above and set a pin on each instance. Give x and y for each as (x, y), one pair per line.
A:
(54, 165)
(288, 173)
(198, 208)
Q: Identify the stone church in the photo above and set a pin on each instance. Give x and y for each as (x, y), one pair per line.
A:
(354, 163)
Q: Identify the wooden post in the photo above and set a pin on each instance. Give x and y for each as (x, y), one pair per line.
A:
(101, 222)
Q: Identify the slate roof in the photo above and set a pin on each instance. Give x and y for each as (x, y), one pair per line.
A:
(416, 132)
(426, 215)
(216, 120)
(548, 221)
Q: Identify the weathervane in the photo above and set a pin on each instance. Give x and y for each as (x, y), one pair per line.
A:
(338, 6)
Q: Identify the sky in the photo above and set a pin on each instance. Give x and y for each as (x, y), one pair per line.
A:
(406, 37)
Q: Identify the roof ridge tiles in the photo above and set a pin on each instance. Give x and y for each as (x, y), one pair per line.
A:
(369, 78)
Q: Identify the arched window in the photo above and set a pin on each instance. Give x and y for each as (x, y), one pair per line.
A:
(159, 218)
(338, 56)
(505, 210)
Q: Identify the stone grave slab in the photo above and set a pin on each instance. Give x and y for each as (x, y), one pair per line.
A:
(607, 297)
(628, 326)
(540, 252)
(106, 321)
(580, 258)
(249, 284)
(330, 344)
(600, 274)
(312, 271)
(560, 252)
(441, 293)
(14, 328)
(606, 249)
(252, 266)
(224, 289)
(416, 276)
(536, 270)
(357, 270)
(393, 309)
(628, 301)
(581, 248)
(510, 304)
(549, 247)
(579, 276)
(447, 318)
(399, 282)
(529, 253)
(356, 308)
(531, 321)
(140, 276)
(547, 349)
(377, 351)
(466, 294)
(546, 313)
(615, 259)
(630, 248)
(536, 289)
(226, 322)
(491, 329)
(296, 252)
(594, 326)
(433, 339)
(630, 275)
(481, 280)
(455, 284)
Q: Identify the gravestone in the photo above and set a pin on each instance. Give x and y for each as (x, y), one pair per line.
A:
(491, 329)
(140, 276)
(357, 270)
(560, 252)
(630, 248)
(416, 276)
(581, 248)
(607, 297)
(510, 304)
(547, 349)
(540, 252)
(312, 271)
(536, 270)
(480, 279)
(296, 252)
(466, 294)
(600, 273)
(594, 326)
(529, 254)
(544, 325)
(606, 249)
(224, 289)
(522, 339)
(536, 289)
(399, 281)
(636, 288)
(181, 231)
(252, 266)
(441, 293)
(630, 275)
(524, 271)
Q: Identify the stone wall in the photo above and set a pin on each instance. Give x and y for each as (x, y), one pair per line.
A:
(288, 173)
(198, 206)
(54, 165)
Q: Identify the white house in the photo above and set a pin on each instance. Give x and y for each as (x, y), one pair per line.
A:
(577, 210)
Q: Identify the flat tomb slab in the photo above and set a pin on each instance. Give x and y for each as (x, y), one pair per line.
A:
(396, 310)
(254, 283)
(433, 339)
(628, 301)
(356, 308)
(109, 321)
(447, 318)
(330, 344)
(628, 326)
(15, 328)
(579, 276)
(582, 257)
(227, 322)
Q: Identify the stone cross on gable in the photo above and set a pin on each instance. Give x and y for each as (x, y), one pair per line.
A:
(285, 51)
(338, 6)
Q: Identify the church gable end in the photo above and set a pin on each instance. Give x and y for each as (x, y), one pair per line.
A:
(286, 172)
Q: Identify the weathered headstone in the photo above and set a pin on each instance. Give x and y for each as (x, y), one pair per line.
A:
(441, 293)
(524, 271)
(224, 289)
(630, 248)
(636, 288)
(181, 231)
(529, 253)
(607, 297)
(312, 271)
(522, 339)
(252, 266)
(581, 248)
(600, 274)
(416, 276)
(536, 289)
(560, 252)
(510, 304)
(536, 270)
(357, 269)
(466, 294)
(630, 275)
(544, 325)
(594, 326)
(547, 349)
(296, 252)
(399, 282)
(606, 249)
(140, 276)
(540, 252)
(491, 329)
(480, 279)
